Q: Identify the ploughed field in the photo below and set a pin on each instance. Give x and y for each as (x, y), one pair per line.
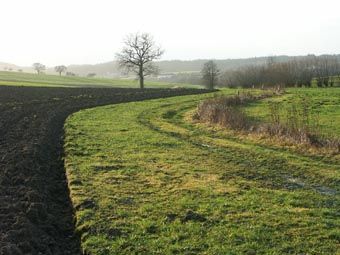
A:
(146, 178)
(36, 216)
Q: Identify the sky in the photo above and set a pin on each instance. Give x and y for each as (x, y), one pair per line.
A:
(92, 31)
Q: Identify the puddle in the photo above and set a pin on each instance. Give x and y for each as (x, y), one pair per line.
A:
(296, 183)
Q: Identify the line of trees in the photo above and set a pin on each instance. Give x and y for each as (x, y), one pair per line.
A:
(301, 72)
(40, 68)
(140, 51)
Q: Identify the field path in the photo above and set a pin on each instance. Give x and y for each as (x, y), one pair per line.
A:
(36, 215)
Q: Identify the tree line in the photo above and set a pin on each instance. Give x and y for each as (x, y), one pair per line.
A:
(40, 69)
(311, 70)
(297, 72)
(140, 51)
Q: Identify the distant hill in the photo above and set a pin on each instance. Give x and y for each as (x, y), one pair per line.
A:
(7, 66)
(110, 69)
(12, 67)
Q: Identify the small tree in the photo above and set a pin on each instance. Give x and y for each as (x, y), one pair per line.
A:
(210, 74)
(39, 67)
(70, 74)
(137, 55)
(60, 69)
(91, 75)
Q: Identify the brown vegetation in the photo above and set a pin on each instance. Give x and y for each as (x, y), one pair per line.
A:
(298, 72)
(295, 123)
(227, 111)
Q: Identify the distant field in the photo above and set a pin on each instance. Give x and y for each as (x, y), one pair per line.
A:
(42, 80)
(146, 179)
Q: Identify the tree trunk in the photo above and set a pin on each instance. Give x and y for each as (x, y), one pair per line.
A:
(141, 82)
(141, 77)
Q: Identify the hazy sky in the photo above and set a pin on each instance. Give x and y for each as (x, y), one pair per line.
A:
(91, 31)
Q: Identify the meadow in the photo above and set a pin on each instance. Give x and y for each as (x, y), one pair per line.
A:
(45, 80)
(145, 178)
(323, 104)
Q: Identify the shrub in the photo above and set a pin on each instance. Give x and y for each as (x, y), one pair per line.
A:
(227, 111)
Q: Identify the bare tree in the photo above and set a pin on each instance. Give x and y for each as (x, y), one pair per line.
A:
(60, 69)
(137, 55)
(210, 74)
(39, 67)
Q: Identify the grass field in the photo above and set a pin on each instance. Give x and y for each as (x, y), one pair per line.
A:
(324, 104)
(336, 82)
(28, 79)
(145, 179)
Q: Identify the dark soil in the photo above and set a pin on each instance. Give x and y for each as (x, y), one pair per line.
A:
(36, 214)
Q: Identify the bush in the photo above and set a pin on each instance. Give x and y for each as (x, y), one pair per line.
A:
(227, 111)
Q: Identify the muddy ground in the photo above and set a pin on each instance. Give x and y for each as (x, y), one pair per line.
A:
(36, 215)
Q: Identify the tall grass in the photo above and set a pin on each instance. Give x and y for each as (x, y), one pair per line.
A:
(294, 122)
(228, 111)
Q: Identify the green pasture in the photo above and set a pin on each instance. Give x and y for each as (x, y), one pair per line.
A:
(146, 179)
(323, 105)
